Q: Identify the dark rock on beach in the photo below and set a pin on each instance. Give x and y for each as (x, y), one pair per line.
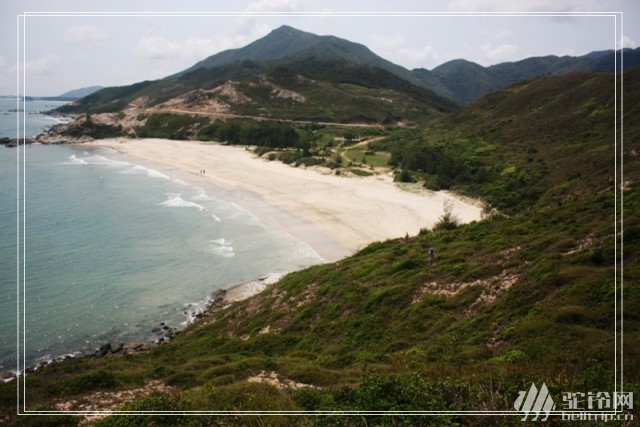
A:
(217, 298)
(6, 376)
(107, 350)
(104, 350)
(14, 142)
(164, 333)
(136, 347)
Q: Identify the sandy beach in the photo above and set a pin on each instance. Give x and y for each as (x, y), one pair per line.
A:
(335, 215)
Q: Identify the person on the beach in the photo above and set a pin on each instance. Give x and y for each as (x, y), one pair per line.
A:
(432, 255)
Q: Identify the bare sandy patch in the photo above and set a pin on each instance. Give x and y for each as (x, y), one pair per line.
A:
(103, 403)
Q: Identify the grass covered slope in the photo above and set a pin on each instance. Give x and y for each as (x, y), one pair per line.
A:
(535, 144)
(532, 296)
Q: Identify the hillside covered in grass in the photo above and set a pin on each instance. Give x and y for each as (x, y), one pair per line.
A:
(311, 90)
(539, 291)
(536, 144)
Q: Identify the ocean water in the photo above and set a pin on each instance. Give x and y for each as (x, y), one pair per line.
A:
(30, 122)
(110, 247)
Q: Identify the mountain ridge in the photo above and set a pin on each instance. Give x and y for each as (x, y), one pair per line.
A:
(289, 44)
(293, 44)
(344, 65)
(287, 41)
(458, 81)
(265, 48)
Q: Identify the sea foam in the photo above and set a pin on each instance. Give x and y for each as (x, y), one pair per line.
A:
(73, 160)
(176, 201)
(143, 170)
(223, 248)
(96, 159)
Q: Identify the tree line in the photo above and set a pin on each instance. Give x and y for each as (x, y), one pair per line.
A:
(270, 134)
(263, 133)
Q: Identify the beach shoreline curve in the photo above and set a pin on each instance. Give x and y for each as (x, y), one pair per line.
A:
(336, 215)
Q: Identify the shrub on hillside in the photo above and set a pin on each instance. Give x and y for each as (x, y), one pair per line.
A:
(447, 221)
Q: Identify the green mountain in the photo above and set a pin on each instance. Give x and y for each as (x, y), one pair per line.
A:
(326, 90)
(460, 81)
(603, 61)
(279, 43)
(544, 290)
(286, 44)
(344, 81)
(321, 90)
(329, 59)
(467, 81)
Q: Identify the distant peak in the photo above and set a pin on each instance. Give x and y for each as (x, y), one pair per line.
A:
(286, 29)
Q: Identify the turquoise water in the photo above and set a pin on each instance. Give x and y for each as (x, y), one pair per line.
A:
(112, 247)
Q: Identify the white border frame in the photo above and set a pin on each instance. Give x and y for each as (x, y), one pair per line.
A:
(21, 81)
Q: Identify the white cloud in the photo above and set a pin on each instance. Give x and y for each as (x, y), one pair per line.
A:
(424, 57)
(496, 54)
(395, 48)
(162, 49)
(163, 55)
(43, 68)
(388, 42)
(39, 74)
(85, 34)
(262, 6)
(626, 42)
(502, 35)
(2, 62)
(523, 6)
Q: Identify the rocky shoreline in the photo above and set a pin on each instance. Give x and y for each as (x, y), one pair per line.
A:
(14, 142)
(164, 333)
(53, 135)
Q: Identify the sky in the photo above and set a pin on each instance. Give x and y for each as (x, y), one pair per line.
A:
(70, 44)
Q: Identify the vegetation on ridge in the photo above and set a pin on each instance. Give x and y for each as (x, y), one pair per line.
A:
(548, 139)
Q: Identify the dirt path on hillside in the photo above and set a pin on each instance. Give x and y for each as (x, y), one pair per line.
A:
(223, 116)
